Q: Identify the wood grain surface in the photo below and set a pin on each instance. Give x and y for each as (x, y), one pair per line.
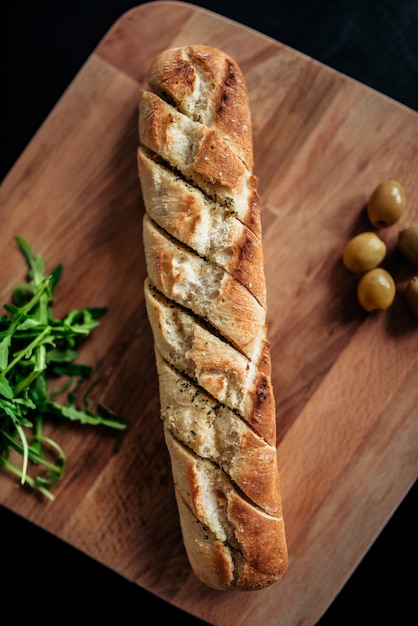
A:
(346, 382)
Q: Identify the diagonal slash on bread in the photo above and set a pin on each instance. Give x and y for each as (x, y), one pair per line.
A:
(205, 295)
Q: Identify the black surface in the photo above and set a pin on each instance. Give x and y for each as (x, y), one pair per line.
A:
(44, 44)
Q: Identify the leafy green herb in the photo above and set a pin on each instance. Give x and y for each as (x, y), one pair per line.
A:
(35, 347)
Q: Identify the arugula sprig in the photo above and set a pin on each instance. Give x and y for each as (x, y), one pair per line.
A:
(35, 347)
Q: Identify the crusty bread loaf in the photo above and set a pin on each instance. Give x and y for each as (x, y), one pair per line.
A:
(206, 302)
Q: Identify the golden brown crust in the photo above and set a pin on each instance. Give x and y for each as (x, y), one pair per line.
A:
(217, 433)
(192, 218)
(210, 559)
(203, 158)
(206, 303)
(209, 291)
(227, 375)
(207, 85)
(252, 539)
(193, 148)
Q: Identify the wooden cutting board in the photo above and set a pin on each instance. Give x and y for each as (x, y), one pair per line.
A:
(346, 382)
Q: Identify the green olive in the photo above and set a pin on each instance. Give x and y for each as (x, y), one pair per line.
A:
(376, 290)
(386, 204)
(364, 252)
(408, 243)
(411, 295)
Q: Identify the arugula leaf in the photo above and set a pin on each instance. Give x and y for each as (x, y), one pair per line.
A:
(35, 347)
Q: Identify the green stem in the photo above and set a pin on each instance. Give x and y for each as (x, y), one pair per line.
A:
(27, 349)
(11, 467)
(36, 457)
(25, 448)
(24, 310)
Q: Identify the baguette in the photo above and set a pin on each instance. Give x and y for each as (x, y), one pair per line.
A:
(205, 297)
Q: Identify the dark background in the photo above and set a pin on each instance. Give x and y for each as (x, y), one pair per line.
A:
(43, 46)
